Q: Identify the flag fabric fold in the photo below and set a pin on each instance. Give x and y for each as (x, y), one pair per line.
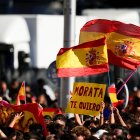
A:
(21, 94)
(84, 59)
(32, 114)
(51, 111)
(123, 40)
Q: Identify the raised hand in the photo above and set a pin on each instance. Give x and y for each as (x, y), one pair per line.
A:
(18, 116)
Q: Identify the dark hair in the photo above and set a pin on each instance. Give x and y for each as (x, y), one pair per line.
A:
(87, 123)
(19, 135)
(93, 130)
(121, 137)
(136, 102)
(135, 130)
(9, 132)
(70, 125)
(67, 137)
(60, 117)
(91, 138)
(41, 81)
(36, 128)
(47, 117)
(35, 136)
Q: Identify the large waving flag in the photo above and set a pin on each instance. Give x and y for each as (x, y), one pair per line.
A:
(32, 114)
(123, 40)
(21, 94)
(85, 59)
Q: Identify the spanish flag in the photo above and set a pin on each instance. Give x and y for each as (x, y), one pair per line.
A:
(32, 114)
(113, 96)
(51, 111)
(85, 59)
(21, 94)
(123, 40)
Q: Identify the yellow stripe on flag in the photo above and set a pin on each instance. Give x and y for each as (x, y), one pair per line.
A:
(114, 42)
(77, 57)
(113, 97)
(90, 36)
(21, 94)
(123, 46)
(84, 59)
(123, 40)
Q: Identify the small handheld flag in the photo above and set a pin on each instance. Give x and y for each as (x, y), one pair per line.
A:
(21, 97)
(113, 96)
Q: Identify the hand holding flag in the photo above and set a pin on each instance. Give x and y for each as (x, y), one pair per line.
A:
(113, 96)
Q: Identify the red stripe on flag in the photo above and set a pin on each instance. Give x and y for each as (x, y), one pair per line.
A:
(22, 97)
(54, 110)
(107, 26)
(121, 61)
(66, 72)
(98, 25)
(23, 84)
(115, 104)
(112, 90)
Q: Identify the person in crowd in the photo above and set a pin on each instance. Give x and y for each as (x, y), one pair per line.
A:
(51, 137)
(112, 123)
(44, 99)
(2, 135)
(41, 99)
(67, 137)
(135, 106)
(134, 132)
(13, 120)
(13, 90)
(81, 132)
(47, 119)
(30, 98)
(58, 127)
(4, 91)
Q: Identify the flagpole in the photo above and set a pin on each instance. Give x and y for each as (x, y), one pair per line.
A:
(24, 92)
(126, 80)
(69, 41)
(109, 83)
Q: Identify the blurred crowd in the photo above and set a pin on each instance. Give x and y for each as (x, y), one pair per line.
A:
(113, 123)
(40, 92)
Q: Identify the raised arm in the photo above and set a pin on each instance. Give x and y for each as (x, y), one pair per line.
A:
(78, 119)
(119, 117)
(101, 122)
(111, 117)
(2, 135)
(15, 119)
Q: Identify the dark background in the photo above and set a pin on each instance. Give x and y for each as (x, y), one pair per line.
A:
(56, 6)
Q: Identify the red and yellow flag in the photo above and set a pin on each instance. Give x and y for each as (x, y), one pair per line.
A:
(113, 96)
(32, 114)
(84, 59)
(21, 94)
(123, 40)
(51, 111)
